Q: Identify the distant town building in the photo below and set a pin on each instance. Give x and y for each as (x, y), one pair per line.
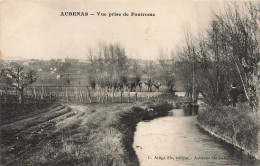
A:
(70, 60)
(82, 60)
(59, 60)
(33, 60)
(53, 69)
(58, 76)
(26, 63)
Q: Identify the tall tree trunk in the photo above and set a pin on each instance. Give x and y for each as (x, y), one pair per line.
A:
(129, 96)
(121, 96)
(20, 96)
(186, 94)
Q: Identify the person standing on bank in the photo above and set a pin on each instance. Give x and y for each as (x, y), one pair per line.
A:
(234, 92)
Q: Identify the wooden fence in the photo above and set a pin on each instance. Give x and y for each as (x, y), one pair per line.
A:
(77, 94)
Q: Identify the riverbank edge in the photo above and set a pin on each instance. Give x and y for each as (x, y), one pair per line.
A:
(211, 132)
(136, 114)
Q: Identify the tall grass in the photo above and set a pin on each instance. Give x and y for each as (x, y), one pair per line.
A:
(102, 136)
(237, 125)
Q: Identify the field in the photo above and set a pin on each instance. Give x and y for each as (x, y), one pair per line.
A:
(93, 134)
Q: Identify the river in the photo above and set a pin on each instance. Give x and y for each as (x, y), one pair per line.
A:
(176, 140)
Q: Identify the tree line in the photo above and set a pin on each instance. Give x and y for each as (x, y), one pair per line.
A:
(111, 70)
(226, 52)
(109, 73)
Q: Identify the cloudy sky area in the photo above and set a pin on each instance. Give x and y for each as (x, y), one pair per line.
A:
(35, 29)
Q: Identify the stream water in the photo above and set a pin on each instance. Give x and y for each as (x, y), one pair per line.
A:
(176, 140)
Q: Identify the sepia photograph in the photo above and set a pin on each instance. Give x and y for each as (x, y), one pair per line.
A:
(129, 82)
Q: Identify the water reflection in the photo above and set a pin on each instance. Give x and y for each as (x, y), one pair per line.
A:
(183, 112)
(176, 140)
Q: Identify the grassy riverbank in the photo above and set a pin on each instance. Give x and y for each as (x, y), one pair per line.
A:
(237, 126)
(83, 135)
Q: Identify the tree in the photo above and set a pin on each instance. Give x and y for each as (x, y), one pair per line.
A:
(214, 70)
(227, 53)
(65, 67)
(166, 72)
(242, 23)
(107, 65)
(186, 65)
(16, 76)
(157, 85)
(137, 85)
(109, 60)
(149, 83)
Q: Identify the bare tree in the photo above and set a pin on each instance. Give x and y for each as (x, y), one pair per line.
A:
(166, 73)
(241, 22)
(157, 85)
(228, 52)
(186, 65)
(17, 77)
(108, 64)
(149, 83)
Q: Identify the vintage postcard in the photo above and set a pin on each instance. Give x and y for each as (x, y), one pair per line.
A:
(129, 82)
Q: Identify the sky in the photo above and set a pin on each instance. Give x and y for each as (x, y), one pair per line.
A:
(35, 29)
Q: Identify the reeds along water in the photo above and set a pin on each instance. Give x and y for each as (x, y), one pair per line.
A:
(233, 124)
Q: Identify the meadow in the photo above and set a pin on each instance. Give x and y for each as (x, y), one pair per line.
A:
(72, 134)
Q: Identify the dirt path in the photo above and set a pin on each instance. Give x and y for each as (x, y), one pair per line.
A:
(19, 138)
(56, 135)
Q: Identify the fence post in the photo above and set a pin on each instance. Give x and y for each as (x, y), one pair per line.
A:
(67, 94)
(42, 93)
(34, 92)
